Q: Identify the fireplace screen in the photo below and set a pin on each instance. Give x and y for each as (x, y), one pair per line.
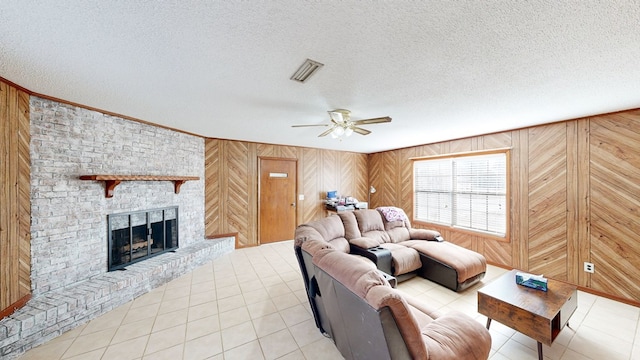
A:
(142, 234)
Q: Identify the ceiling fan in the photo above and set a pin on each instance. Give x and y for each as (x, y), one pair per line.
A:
(341, 124)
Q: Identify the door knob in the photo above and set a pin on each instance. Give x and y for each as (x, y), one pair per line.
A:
(293, 204)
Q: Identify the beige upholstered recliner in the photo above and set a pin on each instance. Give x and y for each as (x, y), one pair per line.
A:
(365, 230)
(368, 319)
(386, 233)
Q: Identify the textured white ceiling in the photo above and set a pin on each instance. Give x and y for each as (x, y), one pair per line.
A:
(440, 69)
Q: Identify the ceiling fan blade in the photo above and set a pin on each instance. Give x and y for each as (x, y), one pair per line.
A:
(379, 120)
(326, 133)
(361, 131)
(309, 125)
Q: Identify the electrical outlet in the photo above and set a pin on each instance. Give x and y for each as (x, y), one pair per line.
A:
(589, 267)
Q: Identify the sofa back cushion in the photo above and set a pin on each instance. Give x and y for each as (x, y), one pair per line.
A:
(371, 225)
(351, 230)
(396, 223)
(329, 229)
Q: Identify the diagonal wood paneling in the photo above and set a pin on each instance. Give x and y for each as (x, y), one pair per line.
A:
(405, 180)
(386, 186)
(231, 174)
(548, 201)
(573, 195)
(615, 203)
(24, 194)
(495, 141)
(361, 182)
(289, 152)
(375, 176)
(15, 216)
(346, 184)
(330, 179)
(497, 252)
(236, 159)
(309, 173)
(213, 203)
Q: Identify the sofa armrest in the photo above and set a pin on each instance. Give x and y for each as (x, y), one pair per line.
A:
(424, 234)
(380, 256)
(364, 242)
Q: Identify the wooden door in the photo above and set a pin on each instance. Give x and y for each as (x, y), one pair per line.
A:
(277, 199)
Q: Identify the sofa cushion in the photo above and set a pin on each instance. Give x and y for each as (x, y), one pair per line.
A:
(456, 336)
(371, 226)
(397, 233)
(364, 242)
(351, 230)
(404, 259)
(329, 229)
(467, 263)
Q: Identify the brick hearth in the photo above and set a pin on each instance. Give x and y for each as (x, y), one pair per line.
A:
(51, 314)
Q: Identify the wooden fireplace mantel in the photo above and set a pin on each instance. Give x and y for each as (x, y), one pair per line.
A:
(111, 181)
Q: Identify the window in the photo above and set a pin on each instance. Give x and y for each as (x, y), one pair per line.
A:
(465, 191)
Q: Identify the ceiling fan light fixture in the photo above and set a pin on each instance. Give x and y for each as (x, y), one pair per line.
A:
(341, 124)
(336, 116)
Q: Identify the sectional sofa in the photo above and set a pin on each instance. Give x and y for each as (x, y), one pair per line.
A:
(385, 236)
(367, 319)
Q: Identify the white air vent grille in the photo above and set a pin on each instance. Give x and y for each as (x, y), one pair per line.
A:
(304, 72)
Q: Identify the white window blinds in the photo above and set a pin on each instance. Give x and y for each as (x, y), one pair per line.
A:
(468, 192)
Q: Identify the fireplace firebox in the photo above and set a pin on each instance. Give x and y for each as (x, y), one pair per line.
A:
(139, 235)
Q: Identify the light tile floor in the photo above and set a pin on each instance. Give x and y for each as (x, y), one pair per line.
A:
(251, 304)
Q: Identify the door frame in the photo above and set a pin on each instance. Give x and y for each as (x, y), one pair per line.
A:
(295, 160)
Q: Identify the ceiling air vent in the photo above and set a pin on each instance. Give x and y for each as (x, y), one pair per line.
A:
(304, 72)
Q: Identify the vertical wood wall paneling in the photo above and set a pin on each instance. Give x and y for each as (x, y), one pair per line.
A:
(15, 216)
(6, 272)
(615, 203)
(573, 197)
(520, 219)
(584, 212)
(548, 200)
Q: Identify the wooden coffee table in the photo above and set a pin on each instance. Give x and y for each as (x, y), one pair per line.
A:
(535, 313)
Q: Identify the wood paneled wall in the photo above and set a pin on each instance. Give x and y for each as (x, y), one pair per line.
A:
(575, 197)
(15, 214)
(231, 188)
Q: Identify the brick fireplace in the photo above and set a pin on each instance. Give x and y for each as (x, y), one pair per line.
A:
(70, 281)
